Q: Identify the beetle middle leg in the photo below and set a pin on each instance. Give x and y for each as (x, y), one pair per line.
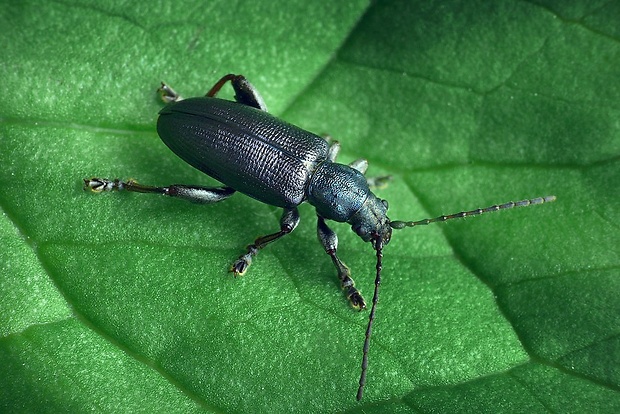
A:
(329, 240)
(168, 94)
(380, 181)
(360, 165)
(193, 193)
(288, 223)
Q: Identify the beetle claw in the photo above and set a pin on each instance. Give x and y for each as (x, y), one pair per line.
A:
(241, 265)
(98, 185)
(356, 299)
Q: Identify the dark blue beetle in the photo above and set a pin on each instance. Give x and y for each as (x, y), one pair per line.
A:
(248, 150)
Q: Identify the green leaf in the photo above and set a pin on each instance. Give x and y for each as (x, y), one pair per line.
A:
(123, 303)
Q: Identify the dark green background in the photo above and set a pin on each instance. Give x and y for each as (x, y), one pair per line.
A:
(123, 303)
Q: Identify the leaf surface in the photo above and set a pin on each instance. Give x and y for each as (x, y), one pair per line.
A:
(123, 303)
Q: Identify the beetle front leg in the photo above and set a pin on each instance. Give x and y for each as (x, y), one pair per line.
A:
(193, 193)
(329, 240)
(288, 223)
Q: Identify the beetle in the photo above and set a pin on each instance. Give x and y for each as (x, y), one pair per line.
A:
(248, 150)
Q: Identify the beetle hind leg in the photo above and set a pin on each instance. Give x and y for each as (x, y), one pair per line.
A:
(329, 240)
(288, 223)
(245, 92)
(193, 193)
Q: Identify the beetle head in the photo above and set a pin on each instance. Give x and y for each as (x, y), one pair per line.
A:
(371, 223)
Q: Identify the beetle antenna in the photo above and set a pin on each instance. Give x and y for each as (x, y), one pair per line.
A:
(497, 207)
(371, 318)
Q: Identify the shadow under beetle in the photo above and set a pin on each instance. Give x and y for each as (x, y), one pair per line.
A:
(248, 150)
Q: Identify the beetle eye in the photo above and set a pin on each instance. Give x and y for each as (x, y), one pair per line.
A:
(385, 203)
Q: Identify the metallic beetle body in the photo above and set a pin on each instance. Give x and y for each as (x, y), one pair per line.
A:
(267, 159)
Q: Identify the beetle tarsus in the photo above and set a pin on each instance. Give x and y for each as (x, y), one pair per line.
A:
(168, 94)
(356, 299)
(348, 285)
(99, 185)
(241, 265)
